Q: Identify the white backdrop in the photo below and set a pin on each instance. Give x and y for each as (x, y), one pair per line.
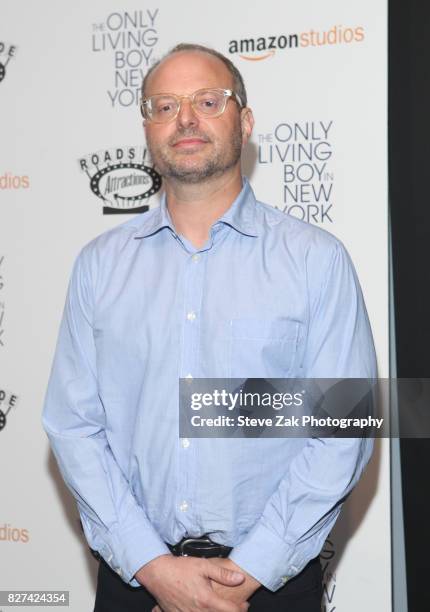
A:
(316, 75)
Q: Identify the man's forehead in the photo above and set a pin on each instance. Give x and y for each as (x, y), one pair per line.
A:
(188, 65)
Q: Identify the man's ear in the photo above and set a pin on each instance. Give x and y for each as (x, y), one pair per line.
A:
(247, 123)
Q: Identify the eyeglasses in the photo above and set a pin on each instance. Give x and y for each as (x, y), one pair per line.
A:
(163, 108)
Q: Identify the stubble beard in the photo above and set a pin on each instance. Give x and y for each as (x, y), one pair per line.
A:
(219, 162)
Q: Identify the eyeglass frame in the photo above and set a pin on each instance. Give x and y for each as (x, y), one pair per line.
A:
(228, 94)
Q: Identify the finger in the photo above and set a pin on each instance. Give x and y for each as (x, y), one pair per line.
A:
(219, 604)
(223, 575)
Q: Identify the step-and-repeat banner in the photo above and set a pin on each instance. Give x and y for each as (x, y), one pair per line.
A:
(74, 163)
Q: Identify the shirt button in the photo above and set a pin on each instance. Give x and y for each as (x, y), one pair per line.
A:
(284, 579)
(185, 442)
(119, 571)
(191, 315)
(183, 507)
(189, 377)
(195, 257)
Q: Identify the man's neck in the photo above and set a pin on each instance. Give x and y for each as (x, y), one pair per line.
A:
(195, 208)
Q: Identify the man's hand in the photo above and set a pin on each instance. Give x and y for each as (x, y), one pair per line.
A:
(186, 584)
(236, 593)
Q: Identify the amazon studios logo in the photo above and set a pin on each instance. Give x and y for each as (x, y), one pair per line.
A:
(129, 39)
(121, 178)
(7, 52)
(262, 47)
(13, 534)
(2, 306)
(7, 402)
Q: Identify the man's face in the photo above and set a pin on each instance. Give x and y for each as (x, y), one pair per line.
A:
(192, 148)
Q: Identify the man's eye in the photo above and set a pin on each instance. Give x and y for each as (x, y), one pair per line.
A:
(164, 108)
(208, 103)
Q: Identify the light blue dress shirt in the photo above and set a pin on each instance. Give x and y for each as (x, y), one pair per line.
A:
(266, 296)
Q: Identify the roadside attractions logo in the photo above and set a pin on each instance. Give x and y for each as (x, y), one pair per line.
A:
(8, 401)
(130, 39)
(263, 47)
(7, 52)
(303, 152)
(122, 178)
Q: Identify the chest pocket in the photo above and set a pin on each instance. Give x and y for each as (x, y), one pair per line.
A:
(261, 348)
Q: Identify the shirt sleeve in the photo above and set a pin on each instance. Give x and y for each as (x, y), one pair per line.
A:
(114, 523)
(301, 512)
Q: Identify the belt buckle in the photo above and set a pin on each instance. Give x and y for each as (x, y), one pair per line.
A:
(186, 541)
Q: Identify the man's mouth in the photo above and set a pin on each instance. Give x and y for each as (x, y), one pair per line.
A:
(190, 142)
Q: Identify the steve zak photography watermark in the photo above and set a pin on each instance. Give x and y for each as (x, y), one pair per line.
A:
(291, 408)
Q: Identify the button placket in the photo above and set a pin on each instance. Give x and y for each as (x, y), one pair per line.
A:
(189, 368)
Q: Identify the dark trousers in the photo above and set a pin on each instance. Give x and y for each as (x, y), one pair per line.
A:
(301, 594)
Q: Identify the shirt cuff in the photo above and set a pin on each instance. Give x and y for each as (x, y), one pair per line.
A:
(263, 555)
(135, 547)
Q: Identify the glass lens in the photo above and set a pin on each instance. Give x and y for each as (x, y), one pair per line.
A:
(209, 102)
(162, 108)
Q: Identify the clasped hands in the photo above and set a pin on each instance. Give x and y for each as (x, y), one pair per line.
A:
(193, 584)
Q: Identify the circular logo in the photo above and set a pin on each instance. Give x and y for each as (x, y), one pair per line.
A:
(124, 185)
(2, 72)
(2, 420)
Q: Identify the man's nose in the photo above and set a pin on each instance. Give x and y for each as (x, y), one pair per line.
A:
(186, 115)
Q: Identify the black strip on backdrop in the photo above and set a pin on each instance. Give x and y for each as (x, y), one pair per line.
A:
(409, 182)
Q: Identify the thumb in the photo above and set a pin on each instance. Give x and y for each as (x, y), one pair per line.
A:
(223, 575)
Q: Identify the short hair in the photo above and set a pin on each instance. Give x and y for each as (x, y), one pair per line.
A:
(238, 82)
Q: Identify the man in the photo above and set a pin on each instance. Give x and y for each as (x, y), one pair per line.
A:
(210, 284)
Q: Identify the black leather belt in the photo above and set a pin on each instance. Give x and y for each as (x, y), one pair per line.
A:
(199, 547)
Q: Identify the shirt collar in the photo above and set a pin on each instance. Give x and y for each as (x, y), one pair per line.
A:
(159, 219)
(240, 216)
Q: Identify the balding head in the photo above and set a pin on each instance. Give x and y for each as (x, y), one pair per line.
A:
(237, 83)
